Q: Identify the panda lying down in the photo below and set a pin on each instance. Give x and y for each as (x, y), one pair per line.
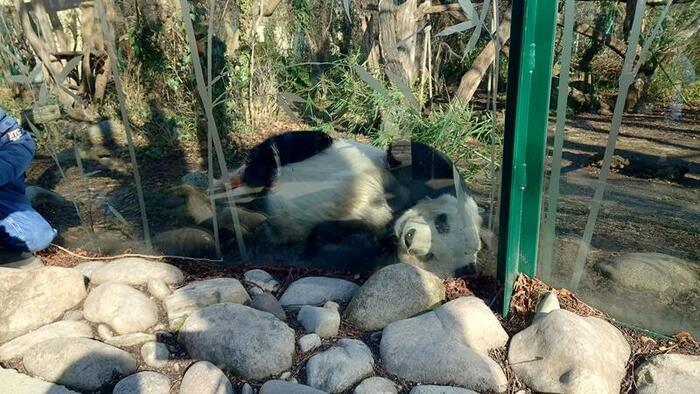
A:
(350, 204)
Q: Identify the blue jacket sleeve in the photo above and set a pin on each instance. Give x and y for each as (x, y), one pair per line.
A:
(15, 156)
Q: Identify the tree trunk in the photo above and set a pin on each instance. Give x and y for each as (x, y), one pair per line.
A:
(42, 18)
(470, 81)
(61, 38)
(398, 38)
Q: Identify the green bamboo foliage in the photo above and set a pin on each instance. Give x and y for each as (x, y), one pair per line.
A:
(563, 95)
(629, 71)
(109, 43)
(212, 131)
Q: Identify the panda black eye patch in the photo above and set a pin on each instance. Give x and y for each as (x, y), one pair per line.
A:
(441, 224)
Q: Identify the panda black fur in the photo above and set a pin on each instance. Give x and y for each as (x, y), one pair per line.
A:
(352, 203)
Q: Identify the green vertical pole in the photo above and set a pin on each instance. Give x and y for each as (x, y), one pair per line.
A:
(525, 138)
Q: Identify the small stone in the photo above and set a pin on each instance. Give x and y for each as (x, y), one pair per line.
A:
(104, 331)
(395, 292)
(143, 382)
(81, 363)
(309, 342)
(323, 321)
(316, 291)
(137, 271)
(155, 354)
(199, 294)
(61, 329)
(256, 290)
(668, 374)
(332, 305)
(292, 380)
(73, 315)
(548, 302)
(283, 387)
(89, 267)
(340, 367)
(204, 377)
(376, 385)
(196, 179)
(255, 344)
(246, 389)
(261, 279)
(159, 289)
(131, 339)
(124, 308)
(266, 302)
(430, 389)
(285, 375)
(13, 382)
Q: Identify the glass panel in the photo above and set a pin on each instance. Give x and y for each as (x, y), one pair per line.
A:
(624, 230)
(169, 132)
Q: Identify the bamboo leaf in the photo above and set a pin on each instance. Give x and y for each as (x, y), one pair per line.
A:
(43, 94)
(458, 28)
(23, 68)
(292, 98)
(282, 102)
(346, 7)
(35, 72)
(19, 78)
(403, 88)
(373, 83)
(477, 30)
(68, 68)
(468, 9)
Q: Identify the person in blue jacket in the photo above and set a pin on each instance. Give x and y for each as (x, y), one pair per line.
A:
(21, 227)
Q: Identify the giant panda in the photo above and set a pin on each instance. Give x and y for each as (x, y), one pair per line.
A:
(352, 204)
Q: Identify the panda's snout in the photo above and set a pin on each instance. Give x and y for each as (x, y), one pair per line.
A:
(417, 239)
(408, 237)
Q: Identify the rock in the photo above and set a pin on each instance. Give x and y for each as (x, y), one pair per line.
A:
(323, 321)
(82, 363)
(376, 385)
(247, 389)
(122, 307)
(19, 260)
(564, 352)
(31, 299)
(13, 382)
(157, 288)
(653, 272)
(340, 367)
(252, 343)
(430, 389)
(132, 339)
(147, 382)
(155, 354)
(62, 329)
(309, 342)
(188, 242)
(89, 267)
(196, 179)
(447, 346)
(315, 290)
(332, 305)
(266, 302)
(204, 377)
(668, 374)
(548, 302)
(104, 331)
(261, 279)
(255, 291)
(73, 315)
(393, 293)
(137, 271)
(283, 387)
(286, 375)
(201, 293)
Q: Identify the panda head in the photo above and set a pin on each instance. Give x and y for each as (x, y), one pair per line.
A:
(438, 236)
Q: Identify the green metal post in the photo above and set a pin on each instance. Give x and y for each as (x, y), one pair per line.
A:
(525, 137)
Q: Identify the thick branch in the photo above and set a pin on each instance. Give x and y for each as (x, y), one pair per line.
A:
(589, 31)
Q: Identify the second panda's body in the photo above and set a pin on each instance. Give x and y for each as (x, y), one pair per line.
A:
(340, 198)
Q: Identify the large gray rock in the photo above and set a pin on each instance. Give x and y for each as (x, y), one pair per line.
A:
(668, 374)
(284, 387)
(80, 363)
(562, 352)
(137, 271)
(13, 382)
(31, 299)
(314, 290)
(62, 329)
(340, 367)
(253, 344)
(183, 301)
(147, 382)
(653, 272)
(204, 377)
(323, 321)
(430, 389)
(266, 302)
(89, 267)
(122, 307)
(447, 346)
(393, 293)
(376, 385)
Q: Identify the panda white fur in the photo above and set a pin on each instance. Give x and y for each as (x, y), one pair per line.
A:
(342, 200)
